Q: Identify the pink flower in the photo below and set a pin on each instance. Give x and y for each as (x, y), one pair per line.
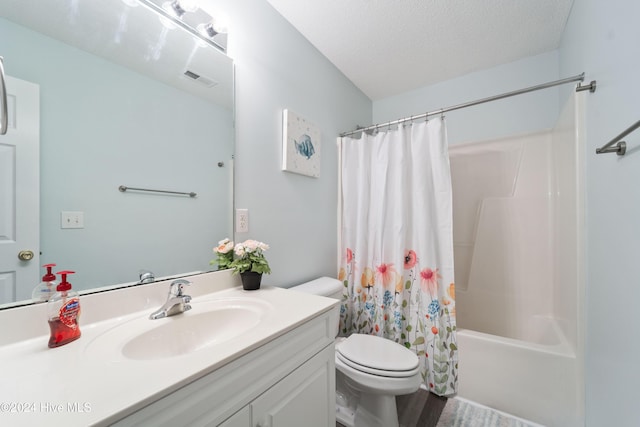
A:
(224, 246)
(387, 273)
(410, 259)
(429, 280)
(349, 256)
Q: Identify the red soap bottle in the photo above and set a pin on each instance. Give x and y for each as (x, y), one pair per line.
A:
(64, 311)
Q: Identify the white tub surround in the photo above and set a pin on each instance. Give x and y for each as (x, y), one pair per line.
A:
(518, 239)
(91, 382)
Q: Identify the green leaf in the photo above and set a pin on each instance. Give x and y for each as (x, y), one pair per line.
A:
(404, 303)
(346, 283)
(407, 344)
(403, 336)
(418, 341)
(407, 285)
(420, 353)
(452, 346)
(409, 328)
(442, 358)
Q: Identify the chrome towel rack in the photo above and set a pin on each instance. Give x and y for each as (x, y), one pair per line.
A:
(621, 147)
(124, 188)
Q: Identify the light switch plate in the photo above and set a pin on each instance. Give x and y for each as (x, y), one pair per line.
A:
(70, 219)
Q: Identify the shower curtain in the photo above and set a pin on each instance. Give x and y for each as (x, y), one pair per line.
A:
(397, 245)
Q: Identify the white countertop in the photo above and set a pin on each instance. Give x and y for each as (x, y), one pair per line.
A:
(76, 385)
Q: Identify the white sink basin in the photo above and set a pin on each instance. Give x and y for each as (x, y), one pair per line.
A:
(207, 324)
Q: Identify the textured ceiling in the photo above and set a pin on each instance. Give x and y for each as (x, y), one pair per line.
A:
(386, 47)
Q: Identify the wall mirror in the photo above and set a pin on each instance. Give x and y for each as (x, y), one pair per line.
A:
(123, 98)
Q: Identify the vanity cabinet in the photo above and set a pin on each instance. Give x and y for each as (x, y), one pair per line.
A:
(301, 398)
(288, 381)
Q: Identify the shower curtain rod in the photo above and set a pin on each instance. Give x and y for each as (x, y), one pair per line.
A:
(591, 87)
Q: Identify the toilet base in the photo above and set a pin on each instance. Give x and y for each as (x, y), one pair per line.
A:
(373, 411)
(355, 408)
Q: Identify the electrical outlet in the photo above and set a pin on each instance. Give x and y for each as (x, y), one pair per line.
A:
(242, 220)
(71, 219)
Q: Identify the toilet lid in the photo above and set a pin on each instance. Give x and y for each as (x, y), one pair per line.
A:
(377, 355)
(373, 371)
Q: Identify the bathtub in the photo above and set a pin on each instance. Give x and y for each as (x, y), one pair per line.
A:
(532, 381)
(517, 221)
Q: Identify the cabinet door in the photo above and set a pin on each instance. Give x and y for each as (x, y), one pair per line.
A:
(304, 397)
(242, 418)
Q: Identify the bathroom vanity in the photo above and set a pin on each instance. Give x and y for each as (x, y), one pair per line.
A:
(237, 358)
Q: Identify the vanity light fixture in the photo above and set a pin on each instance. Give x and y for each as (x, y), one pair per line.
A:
(174, 13)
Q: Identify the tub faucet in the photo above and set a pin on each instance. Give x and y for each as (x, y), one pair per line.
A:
(176, 302)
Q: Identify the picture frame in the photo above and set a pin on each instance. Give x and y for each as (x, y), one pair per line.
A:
(301, 145)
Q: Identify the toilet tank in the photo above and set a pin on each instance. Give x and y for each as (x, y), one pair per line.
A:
(323, 286)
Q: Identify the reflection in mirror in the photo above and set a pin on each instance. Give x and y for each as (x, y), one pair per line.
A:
(102, 95)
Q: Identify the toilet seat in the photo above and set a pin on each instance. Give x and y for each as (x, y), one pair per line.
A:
(377, 356)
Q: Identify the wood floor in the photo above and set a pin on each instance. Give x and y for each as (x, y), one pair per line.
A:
(420, 409)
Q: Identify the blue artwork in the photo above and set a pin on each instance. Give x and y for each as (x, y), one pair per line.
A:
(300, 145)
(305, 146)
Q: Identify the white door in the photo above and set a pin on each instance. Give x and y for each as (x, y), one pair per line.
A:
(20, 192)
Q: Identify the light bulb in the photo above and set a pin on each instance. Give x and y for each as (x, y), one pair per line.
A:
(188, 5)
(207, 30)
(220, 24)
(178, 8)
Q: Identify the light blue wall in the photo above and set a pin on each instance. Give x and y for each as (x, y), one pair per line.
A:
(521, 114)
(602, 39)
(277, 68)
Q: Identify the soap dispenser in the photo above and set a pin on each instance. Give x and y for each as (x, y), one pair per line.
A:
(45, 290)
(64, 311)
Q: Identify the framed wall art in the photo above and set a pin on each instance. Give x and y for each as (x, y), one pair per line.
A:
(300, 145)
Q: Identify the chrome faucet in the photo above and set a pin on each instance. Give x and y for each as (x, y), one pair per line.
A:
(176, 302)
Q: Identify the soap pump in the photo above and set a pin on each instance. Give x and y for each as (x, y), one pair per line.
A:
(45, 290)
(64, 310)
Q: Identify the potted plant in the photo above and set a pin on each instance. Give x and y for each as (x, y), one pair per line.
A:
(249, 260)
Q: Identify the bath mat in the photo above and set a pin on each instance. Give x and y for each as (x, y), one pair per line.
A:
(462, 413)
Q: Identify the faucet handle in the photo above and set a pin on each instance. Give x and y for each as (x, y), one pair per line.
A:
(147, 276)
(177, 286)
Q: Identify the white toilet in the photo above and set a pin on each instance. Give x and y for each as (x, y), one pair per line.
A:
(370, 371)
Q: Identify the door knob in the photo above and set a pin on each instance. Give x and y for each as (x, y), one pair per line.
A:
(25, 255)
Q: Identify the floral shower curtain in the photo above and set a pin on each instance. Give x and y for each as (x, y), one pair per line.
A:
(397, 245)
